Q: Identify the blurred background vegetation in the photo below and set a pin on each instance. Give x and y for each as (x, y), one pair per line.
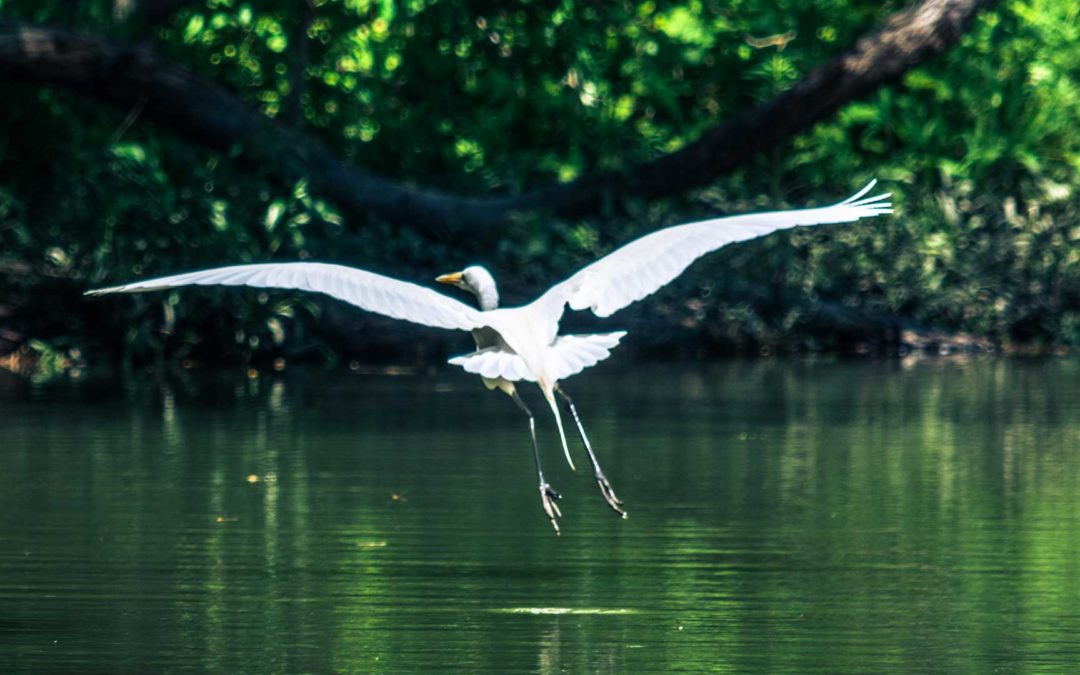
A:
(980, 148)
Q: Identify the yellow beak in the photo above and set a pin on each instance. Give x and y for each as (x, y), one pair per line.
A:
(454, 278)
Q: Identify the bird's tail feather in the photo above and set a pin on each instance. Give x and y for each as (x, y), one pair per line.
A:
(549, 394)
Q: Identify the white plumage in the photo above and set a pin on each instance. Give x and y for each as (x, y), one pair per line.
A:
(367, 290)
(571, 354)
(645, 265)
(522, 343)
(495, 363)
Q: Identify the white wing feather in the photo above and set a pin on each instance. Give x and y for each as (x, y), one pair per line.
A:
(367, 290)
(493, 363)
(572, 354)
(643, 266)
(568, 355)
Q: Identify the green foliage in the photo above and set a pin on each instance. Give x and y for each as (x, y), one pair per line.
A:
(979, 148)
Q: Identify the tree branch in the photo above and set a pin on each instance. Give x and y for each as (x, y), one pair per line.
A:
(176, 98)
(906, 40)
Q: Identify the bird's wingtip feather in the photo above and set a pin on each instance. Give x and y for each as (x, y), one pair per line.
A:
(866, 188)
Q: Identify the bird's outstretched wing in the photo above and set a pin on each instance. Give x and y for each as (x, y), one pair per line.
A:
(367, 290)
(643, 266)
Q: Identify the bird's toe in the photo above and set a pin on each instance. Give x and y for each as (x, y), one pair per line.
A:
(609, 495)
(548, 497)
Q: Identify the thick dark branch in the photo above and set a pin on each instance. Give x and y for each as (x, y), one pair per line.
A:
(906, 40)
(174, 97)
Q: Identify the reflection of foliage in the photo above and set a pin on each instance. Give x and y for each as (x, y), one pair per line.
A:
(809, 517)
(43, 361)
(980, 148)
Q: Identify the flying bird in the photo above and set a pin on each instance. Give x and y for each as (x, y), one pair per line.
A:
(522, 344)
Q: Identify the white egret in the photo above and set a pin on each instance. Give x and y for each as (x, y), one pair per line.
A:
(522, 343)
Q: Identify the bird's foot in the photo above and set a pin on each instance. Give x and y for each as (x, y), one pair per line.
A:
(608, 493)
(548, 497)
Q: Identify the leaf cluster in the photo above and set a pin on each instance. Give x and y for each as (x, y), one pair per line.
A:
(980, 149)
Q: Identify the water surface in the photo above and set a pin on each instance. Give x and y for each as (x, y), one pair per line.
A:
(787, 517)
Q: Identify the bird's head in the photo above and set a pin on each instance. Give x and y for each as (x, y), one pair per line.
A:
(477, 281)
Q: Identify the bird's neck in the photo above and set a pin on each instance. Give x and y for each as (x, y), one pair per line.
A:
(488, 299)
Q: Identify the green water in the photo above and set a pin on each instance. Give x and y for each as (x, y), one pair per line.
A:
(784, 517)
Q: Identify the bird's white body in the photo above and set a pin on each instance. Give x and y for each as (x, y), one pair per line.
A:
(523, 343)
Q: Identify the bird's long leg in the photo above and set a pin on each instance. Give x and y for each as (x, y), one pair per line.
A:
(605, 487)
(548, 495)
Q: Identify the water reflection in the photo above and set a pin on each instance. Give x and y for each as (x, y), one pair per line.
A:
(783, 516)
